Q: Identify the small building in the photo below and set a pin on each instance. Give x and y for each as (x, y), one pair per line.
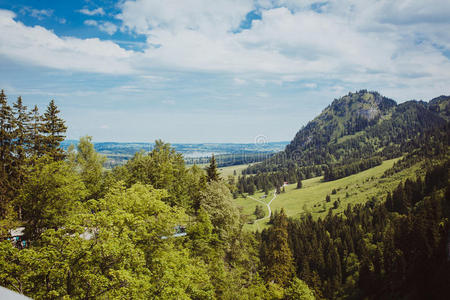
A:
(17, 237)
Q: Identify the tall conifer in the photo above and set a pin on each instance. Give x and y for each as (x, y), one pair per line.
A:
(36, 136)
(213, 174)
(6, 152)
(21, 129)
(54, 129)
(279, 259)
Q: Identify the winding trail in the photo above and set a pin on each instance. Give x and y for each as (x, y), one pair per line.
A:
(266, 204)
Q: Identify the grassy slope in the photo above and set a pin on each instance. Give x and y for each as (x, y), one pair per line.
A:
(360, 188)
(226, 171)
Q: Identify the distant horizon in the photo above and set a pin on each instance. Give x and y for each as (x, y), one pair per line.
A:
(176, 143)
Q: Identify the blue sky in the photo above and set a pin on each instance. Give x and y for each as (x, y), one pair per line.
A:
(216, 71)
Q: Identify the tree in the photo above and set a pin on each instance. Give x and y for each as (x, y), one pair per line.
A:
(54, 129)
(299, 290)
(21, 129)
(90, 166)
(259, 212)
(7, 157)
(279, 261)
(218, 202)
(49, 196)
(21, 141)
(113, 250)
(163, 168)
(278, 189)
(213, 174)
(299, 184)
(36, 135)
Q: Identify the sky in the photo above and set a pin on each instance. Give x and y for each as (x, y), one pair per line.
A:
(216, 71)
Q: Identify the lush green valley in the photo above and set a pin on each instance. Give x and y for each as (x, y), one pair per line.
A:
(355, 207)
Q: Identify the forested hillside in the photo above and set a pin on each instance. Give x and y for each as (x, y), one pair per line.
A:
(354, 133)
(154, 228)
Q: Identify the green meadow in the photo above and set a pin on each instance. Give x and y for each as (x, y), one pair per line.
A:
(311, 198)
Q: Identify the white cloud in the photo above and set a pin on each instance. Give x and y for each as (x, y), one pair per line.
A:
(349, 40)
(98, 11)
(209, 17)
(107, 27)
(358, 42)
(90, 22)
(39, 46)
(39, 14)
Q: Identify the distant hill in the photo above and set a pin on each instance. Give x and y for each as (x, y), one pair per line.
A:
(357, 132)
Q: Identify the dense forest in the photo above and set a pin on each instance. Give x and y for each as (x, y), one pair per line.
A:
(154, 228)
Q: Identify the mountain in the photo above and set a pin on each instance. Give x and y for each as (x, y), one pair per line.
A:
(357, 132)
(441, 105)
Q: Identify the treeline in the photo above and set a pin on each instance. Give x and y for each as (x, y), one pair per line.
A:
(388, 250)
(433, 143)
(25, 136)
(334, 172)
(225, 160)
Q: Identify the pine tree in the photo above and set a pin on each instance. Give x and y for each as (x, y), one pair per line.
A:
(7, 158)
(299, 184)
(278, 189)
(21, 141)
(54, 129)
(21, 128)
(36, 136)
(213, 174)
(280, 262)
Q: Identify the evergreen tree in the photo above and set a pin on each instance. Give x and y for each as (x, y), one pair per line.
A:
(299, 184)
(213, 174)
(278, 189)
(259, 212)
(21, 141)
(7, 157)
(54, 129)
(36, 136)
(278, 256)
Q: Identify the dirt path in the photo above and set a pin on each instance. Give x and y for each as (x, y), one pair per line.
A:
(266, 204)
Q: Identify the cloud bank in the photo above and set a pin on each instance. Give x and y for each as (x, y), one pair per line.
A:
(391, 43)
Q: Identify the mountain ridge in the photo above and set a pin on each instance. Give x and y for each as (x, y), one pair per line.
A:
(356, 132)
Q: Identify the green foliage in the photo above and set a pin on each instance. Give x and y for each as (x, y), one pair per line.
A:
(299, 290)
(259, 212)
(53, 128)
(368, 247)
(51, 193)
(276, 254)
(90, 166)
(213, 174)
(162, 168)
(218, 202)
(7, 158)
